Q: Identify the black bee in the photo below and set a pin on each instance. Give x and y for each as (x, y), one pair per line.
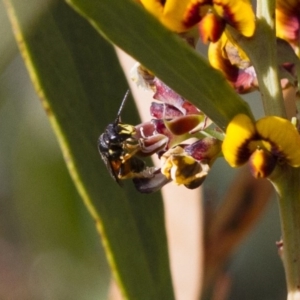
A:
(118, 146)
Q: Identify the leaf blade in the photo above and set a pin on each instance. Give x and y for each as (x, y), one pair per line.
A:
(65, 77)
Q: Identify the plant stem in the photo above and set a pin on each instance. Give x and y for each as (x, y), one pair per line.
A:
(266, 62)
(261, 49)
(285, 179)
(286, 182)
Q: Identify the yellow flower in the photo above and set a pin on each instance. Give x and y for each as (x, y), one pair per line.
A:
(266, 142)
(181, 15)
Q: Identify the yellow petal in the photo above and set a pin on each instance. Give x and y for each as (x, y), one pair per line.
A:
(177, 15)
(235, 146)
(155, 7)
(284, 137)
(237, 13)
(219, 60)
(211, 27)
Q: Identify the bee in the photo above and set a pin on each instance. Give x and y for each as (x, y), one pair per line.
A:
(117, 146)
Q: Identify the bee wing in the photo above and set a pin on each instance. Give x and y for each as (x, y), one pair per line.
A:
(152, 184)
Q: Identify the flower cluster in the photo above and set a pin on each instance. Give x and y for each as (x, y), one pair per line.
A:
(267, 142)
(179, 133)
(176, 135)
(211, 18)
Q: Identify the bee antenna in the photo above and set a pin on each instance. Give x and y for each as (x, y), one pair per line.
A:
(122, 104)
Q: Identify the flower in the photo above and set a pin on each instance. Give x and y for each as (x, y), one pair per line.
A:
(189, 164)
(186, 164)
(183, 168)
(213, 15)
(288, 22)
(264, 143)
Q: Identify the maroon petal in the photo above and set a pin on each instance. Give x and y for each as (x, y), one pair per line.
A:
(168, 96)
(164, 111)
(206, 149)
(153, 144)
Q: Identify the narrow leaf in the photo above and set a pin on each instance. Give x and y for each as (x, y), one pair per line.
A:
(80, 83)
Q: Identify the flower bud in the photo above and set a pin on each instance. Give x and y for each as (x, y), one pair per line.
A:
(187, 124)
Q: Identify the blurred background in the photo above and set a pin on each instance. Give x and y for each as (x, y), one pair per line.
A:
(49, 248)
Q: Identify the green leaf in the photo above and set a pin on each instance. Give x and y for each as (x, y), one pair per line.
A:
(134, 30)
(80, 83)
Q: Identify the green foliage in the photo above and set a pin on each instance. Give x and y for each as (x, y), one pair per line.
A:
(80, 83)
